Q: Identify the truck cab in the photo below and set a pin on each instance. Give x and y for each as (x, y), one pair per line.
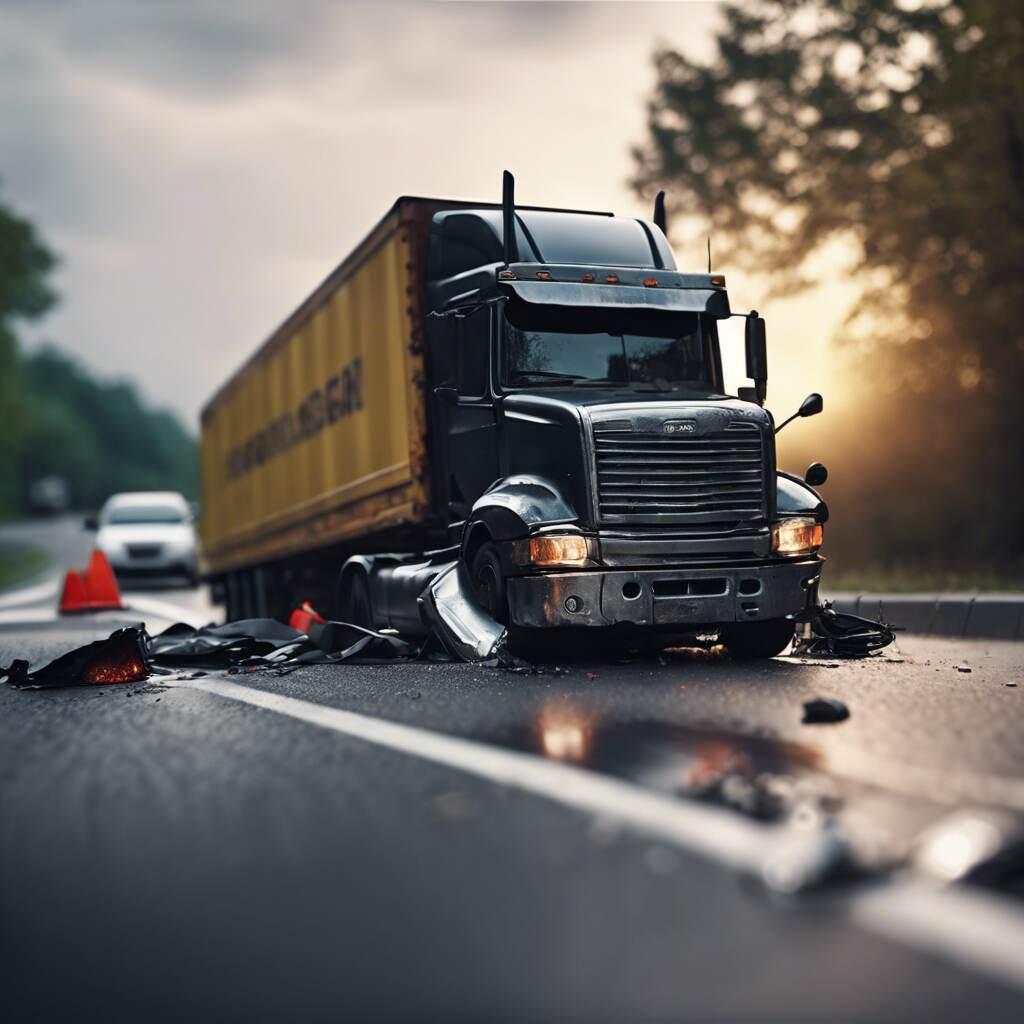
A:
(597, 473)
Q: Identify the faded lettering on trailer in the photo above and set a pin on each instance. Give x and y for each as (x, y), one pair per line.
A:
(341, 396)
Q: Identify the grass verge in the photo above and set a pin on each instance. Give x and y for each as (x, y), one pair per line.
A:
(20, 562)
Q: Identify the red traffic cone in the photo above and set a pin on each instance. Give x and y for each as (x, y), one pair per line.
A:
(101, 583)
(74, 597)
(94, 590)
(304, 616)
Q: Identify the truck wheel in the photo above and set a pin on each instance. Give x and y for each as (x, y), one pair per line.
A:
(489, 582)
(353, 601)
(757, 639)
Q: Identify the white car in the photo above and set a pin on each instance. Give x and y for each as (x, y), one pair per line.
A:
(151, 532)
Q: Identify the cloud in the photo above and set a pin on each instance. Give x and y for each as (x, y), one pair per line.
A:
(201, 166)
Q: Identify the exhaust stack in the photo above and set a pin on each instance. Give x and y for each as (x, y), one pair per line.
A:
(660, 217)
(508, 216)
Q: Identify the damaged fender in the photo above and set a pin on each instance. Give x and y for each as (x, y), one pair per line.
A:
(517, 505)
(794, 498)
(450, 607)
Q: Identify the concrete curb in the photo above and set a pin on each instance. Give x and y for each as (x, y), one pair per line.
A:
(994, 616)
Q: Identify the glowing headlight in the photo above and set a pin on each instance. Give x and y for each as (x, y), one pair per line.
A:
(797, 536)
(564, 549)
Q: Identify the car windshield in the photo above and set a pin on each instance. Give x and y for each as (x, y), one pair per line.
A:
(551, 346)
(137, 514)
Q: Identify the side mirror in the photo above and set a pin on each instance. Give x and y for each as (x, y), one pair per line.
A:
(816, 474)
(447, 395)
(90, 523)
(757, 354)
(811, 405)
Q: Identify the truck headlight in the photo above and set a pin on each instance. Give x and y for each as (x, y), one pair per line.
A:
(551, 550)
(797, 536)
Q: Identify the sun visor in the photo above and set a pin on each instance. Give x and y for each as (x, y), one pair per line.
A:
(712, 301)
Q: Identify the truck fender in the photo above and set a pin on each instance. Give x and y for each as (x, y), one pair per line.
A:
(509, 509)
(795, 498)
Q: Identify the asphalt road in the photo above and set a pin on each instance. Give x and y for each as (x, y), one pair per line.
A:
(598, 841)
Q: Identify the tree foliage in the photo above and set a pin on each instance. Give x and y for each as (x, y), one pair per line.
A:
(57, 419)
(898, 127)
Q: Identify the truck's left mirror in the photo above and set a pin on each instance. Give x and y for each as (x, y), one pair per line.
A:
(448, 395)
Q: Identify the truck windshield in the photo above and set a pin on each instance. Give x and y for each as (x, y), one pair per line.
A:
(552, 346)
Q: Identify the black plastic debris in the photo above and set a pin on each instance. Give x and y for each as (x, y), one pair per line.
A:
(823, 710)
(841, 635)
(122, 658)
(131, 655)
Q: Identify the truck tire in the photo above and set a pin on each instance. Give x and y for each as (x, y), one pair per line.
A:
(352, 600)
(492, 593)
(757, 639)
(489, 582)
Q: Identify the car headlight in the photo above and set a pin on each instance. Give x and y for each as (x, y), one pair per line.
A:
(546, 550)
(797, 536)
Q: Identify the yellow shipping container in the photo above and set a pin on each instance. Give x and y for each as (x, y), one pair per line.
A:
(320, 437)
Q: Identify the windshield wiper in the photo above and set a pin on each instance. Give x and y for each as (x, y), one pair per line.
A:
(554, 377)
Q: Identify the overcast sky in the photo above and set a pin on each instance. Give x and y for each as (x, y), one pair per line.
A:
(199, 167)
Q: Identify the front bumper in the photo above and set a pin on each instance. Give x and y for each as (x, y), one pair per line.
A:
(685, 598)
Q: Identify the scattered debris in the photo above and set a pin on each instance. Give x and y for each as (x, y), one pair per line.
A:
(131, 655)
(963, 668)
(839, 634)
(1010, 682)
(121, 658)
(808, 860)
(824, 709)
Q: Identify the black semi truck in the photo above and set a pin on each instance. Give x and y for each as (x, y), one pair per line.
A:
(573, 459)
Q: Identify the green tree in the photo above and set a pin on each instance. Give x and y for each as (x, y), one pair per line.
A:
(100, 436)
(25, 263)
(898, 126)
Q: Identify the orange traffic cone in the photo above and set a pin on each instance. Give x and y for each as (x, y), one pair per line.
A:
(101, 583)
(94, 590)
(304, 616)
(74, 597)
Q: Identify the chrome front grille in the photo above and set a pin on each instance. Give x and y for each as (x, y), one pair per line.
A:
(712, 482)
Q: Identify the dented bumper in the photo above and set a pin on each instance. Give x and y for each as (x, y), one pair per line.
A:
(663, 597)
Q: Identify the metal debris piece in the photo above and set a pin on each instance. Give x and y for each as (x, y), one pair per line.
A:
(823, 710)
(963, 668)
(841, 635)
(466, 630)
(122, 658)
(808, 859)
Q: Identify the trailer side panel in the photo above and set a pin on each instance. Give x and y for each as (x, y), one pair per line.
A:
(321, 436)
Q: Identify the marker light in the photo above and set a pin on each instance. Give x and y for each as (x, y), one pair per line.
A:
(543, 275)
(797, 536)
(566, 549)
(507, 275)
(612, 278)
(650, 282)
(587, 278)
(717, 281)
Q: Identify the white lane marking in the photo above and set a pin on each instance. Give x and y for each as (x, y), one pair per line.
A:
(970, 928)
(30, 595)
(718, 834)
(17, 616)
